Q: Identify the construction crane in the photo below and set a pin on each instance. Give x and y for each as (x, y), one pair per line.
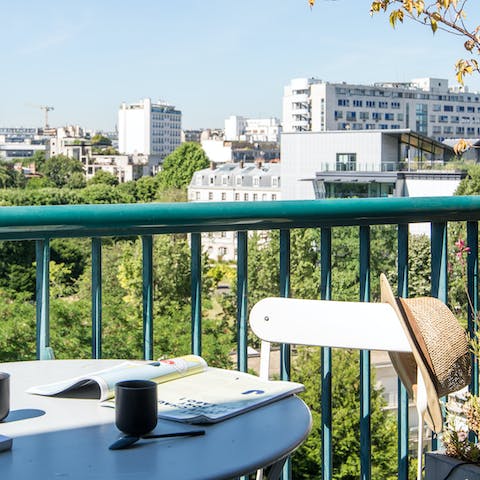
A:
(46, 109)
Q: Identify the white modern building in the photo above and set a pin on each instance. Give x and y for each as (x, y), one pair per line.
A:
(238, 128)
(147, 128)
(357, 154)
(425, 105)
(233, 182)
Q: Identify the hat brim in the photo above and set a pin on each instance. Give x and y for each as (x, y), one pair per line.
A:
(405, 364)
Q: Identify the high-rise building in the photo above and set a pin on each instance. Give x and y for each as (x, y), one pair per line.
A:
(147, 128)
(425, 105)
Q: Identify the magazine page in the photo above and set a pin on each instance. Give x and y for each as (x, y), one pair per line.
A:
(102, 382)
(218, 394)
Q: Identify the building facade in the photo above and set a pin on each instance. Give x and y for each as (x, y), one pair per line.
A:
(425, 105)
(233, 182)
(146, 128)
(238, 128)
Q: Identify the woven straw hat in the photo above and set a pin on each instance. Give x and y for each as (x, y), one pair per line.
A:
(439, 345)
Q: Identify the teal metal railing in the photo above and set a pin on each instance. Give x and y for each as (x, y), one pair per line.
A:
(41, 224)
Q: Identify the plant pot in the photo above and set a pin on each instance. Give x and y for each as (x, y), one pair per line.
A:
(438, 466)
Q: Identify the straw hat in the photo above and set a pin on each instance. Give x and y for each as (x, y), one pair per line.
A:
(439, 345)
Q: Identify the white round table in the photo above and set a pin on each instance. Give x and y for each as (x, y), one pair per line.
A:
(68, 438)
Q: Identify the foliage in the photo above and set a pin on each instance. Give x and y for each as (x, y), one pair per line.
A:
(179, 167)
(59, 169)
(448, 15)
(103, 177)
(100, 139)
(146, 189)
(346, 417)
(470, 185)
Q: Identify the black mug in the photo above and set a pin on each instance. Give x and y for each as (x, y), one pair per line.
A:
(136, 406)
(4, 395)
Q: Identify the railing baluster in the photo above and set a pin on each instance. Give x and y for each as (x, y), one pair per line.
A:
(242, 301)
(402, 413)
(439, 254)
(472, 286)
(196, 269)
(365, 381)
(42, 253)
(96, 298)
(326, 352)
(285, 349)
(147, 296)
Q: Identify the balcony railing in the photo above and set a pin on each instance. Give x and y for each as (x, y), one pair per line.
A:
(41, 224)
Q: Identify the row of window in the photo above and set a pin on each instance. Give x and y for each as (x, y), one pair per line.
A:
(397, 94)
(368, 126)
(345, 102)
(437, 129)
(241, 196)
(352, 116)
(239, 180)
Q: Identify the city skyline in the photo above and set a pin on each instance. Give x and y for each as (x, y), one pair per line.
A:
(210, 59)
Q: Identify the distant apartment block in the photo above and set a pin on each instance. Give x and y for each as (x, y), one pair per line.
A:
(72, 142)
(147, 128)
(425, 105)
(233, 182)
(238, 128)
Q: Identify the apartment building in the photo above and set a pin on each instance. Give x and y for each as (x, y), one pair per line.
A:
(148, 128)
(238, 128)
(233, 182)
(425, 105)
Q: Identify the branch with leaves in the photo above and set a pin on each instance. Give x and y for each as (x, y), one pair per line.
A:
(448, 15)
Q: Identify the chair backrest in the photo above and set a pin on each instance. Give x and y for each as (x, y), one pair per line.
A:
(360, 325)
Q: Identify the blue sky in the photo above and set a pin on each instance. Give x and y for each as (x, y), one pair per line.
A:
(209, 58)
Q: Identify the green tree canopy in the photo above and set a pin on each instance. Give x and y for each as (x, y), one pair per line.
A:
(100, 139)
(60, 169)
(179, 167)
(103, 177)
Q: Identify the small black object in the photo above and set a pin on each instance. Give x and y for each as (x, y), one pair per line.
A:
(4, 395)
(127, 440)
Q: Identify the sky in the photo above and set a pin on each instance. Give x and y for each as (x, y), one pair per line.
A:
(209, 58)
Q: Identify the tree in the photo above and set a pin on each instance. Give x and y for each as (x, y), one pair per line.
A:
(345, 421)
(179, 167)
(60, 169)
(103, 177)
(101, 140)
(448, 15)
(470, 185)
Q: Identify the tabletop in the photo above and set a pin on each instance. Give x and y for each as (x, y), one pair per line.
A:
(68, 438)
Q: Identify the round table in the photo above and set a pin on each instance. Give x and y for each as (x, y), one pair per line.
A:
(68, 438)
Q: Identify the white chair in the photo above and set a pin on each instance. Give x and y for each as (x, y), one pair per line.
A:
(359, 325)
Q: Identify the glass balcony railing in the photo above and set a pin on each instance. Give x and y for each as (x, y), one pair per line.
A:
(44, 223)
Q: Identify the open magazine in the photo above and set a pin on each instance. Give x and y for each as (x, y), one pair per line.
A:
(188, 391)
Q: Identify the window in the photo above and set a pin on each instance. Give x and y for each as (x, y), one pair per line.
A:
(274, 181)
(395, 104)
(370, 104)
(460, 108)
(357, 103)
(364, 115)
(443, 118)
(421, 119)
(376, 116)
(245, 197)
(255, 197)
(338, 114)
(454, 119)
(224, 180)
(237, 196)
(346, 162)
(212, 179)
(224, 195)
(389, 116)
(197, 195)
(351, 116)
(264, 196)
(274, 196)
(210, 195)
(400, 117)
(343, 102)
(437, 108)
(256, 181)
(448, 108)
(382, 104)
(239, 180)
